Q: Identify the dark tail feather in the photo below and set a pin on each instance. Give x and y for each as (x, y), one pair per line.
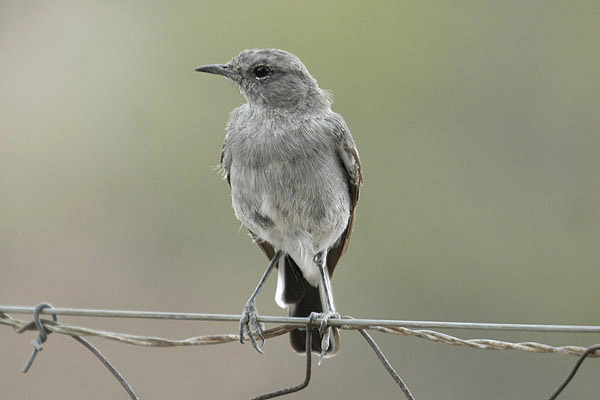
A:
(303, 299)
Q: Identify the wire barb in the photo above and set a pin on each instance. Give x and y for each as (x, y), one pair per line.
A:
(41, 337)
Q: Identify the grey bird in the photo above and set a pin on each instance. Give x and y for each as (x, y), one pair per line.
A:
(295, 176)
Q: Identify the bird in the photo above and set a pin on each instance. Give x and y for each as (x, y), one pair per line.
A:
(295, 176)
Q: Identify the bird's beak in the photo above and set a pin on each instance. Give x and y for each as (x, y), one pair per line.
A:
(217, 69)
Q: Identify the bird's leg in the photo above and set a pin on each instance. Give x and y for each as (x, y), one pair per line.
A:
(249, 322)
(327, 301)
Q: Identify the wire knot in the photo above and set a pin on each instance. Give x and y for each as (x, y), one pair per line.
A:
(42, 335)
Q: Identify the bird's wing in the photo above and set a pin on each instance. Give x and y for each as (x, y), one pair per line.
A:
(346, 151)
(225, 166)
(225, 162)
(232, 125)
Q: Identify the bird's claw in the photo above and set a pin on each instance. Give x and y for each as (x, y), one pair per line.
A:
(249, 324)
(325, 316)
(324, 330)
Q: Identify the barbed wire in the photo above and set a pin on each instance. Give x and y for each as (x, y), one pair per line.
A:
(395, 327)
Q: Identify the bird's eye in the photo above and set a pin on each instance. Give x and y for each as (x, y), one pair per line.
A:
(262, 71)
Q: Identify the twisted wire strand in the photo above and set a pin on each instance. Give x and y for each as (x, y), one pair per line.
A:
(151, 341)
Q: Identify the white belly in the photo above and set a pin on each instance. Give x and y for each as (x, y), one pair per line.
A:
(301, 208)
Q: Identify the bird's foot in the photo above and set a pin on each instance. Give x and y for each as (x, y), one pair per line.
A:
(324, 330)
(250, 325)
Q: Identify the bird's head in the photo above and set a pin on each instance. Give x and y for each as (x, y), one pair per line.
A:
(272, 78)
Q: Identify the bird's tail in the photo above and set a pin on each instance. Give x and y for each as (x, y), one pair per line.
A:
(301, 299)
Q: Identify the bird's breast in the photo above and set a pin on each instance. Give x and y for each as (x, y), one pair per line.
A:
(290, 191)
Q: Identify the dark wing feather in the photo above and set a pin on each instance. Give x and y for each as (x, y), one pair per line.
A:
(349, 158)
(223, 163)
(265, 246)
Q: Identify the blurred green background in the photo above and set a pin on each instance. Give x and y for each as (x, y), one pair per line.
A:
(478, 128)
